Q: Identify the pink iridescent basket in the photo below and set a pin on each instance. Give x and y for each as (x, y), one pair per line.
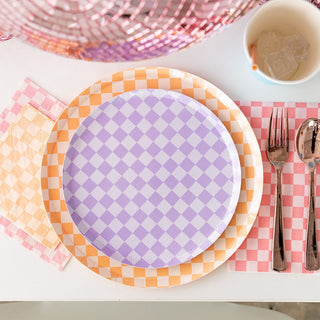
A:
(117, 30)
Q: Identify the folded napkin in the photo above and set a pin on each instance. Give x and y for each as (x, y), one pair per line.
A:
(47, 104)
(21, 150)
(30, 93)
(58, 257)
(255, 254)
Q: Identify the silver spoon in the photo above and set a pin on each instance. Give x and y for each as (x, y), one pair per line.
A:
(308, 148)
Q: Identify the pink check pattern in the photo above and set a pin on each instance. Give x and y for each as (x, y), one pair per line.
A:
(30, 93)
(58, 257)
(255, 254)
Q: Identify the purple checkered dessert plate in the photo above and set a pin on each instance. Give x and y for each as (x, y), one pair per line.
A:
(151, 178)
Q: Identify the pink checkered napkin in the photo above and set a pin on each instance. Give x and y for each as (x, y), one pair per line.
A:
(31, 93)
(58, 257)
(255, 254)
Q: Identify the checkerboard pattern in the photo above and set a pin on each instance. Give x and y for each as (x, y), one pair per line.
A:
(30, 93)
(255, 254)
(60, 256)
(144, 174)
(194, 87)
(21, 149)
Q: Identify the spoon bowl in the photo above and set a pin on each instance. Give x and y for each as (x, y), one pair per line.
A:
(308, 149)
(308, 142)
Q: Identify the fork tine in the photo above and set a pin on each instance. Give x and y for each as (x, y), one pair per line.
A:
(269, 130)
(275, 128)
(281, 128)
(287, 130)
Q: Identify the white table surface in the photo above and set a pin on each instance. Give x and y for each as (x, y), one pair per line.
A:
(220, 60)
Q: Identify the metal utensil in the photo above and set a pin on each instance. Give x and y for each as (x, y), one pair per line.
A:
(308, 148)
(277, 152)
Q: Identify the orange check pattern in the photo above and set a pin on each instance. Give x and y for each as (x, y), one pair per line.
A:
(194, 87)
(21, 149)
(255, 254)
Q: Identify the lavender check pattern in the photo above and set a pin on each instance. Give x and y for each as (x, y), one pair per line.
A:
(151, 178)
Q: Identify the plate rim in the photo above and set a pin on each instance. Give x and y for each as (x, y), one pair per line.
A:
(156, 278)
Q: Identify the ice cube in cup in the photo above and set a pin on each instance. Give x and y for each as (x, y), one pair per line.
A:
(298, 45)
(268, 42)
(281, 64)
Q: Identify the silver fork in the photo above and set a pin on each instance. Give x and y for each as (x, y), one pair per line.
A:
(277, 152)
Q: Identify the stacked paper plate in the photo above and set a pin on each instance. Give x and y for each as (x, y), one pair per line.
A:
(148, 186)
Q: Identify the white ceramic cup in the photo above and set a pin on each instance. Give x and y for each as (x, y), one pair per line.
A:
(288, 16)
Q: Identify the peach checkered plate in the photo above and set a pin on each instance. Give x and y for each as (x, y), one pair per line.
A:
(158, 78)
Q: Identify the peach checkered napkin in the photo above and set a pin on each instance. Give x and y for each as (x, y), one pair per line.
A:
(255, 254)
(21, 149)
(49, 105)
